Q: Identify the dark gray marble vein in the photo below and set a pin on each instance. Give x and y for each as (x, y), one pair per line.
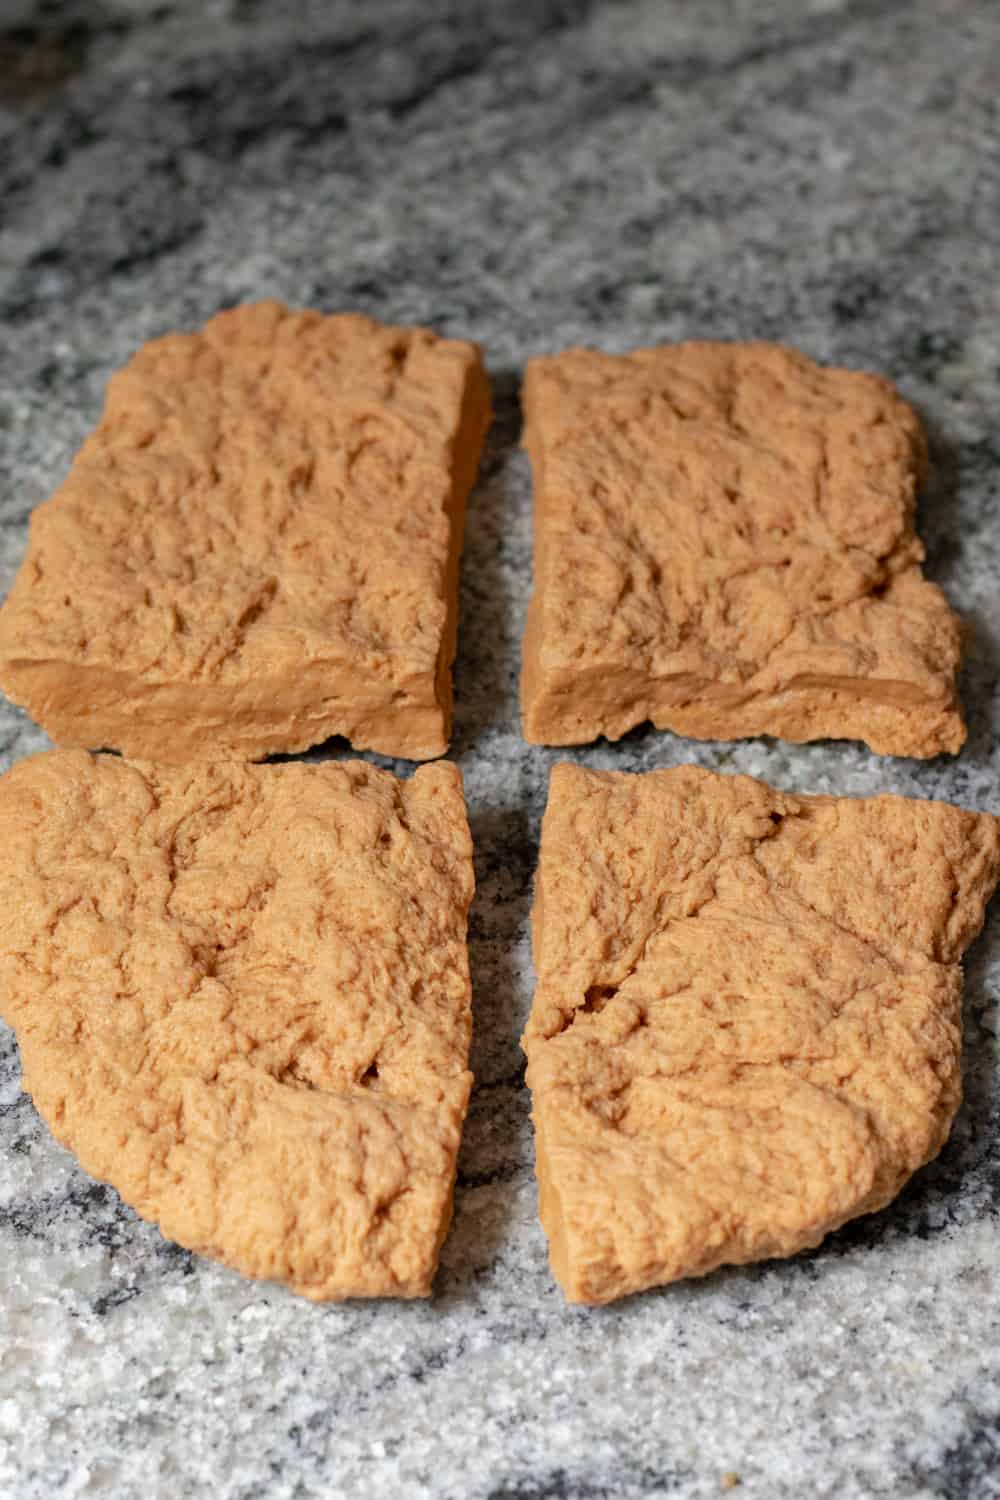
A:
(825, 172)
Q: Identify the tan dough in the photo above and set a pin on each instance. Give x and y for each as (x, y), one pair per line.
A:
(747, 1024)
(724, 544)
(241, 995)
(257, 548)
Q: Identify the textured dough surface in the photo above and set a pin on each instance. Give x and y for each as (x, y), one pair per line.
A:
(241, 995)
(747, 1024)
(724, 544)
(257, 547)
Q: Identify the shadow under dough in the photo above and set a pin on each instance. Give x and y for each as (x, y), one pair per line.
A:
(486, 662)
(496, 1158)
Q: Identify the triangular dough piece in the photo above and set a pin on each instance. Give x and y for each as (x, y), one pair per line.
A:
(257, 547)
(747, 1024)
(242, 998)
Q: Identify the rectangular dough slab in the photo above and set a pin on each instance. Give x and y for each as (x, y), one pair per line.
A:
(241, 995)
(724, 544)
(747, 1025)
(257, 548)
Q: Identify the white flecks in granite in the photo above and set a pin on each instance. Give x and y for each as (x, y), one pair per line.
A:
(826, 173)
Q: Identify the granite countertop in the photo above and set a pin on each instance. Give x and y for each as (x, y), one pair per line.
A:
(825, 172)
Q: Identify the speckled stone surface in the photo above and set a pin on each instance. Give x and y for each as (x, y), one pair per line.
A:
(823, 171)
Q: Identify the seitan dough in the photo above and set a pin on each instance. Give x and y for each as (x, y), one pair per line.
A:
(257, 548)
(724, 544)
(241, 995)
(747, 1026)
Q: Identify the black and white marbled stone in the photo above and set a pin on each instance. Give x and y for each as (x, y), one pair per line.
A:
(532, 173)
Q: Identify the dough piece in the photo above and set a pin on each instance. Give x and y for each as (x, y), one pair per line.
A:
(242, 998)
(724, 544)
(747, 1025)
(257, 548)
